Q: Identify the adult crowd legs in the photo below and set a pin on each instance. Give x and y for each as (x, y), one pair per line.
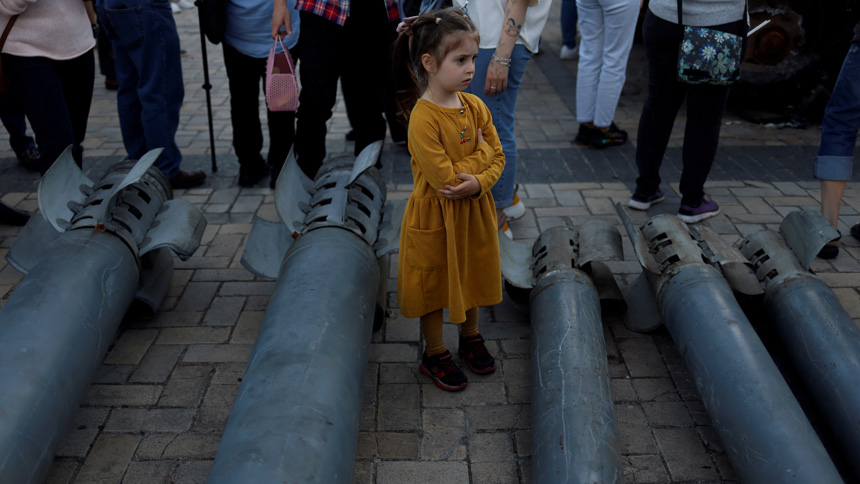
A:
(354, 52)
(607, 28)
(705, 109)
(149, 72)
(55, 95)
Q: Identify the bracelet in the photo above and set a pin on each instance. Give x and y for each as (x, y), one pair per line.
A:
(501, 60)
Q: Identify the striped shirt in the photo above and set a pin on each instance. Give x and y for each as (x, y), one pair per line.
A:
(338, 10)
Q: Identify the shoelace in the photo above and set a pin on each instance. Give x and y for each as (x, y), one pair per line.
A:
(446, 364)
(476, 346)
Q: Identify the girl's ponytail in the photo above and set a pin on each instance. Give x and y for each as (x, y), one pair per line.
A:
(406, 87)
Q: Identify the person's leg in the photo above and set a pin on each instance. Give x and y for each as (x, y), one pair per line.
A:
(665, 96)
(77, 76)
(282, 133)
(470, 327)
(365, 69)
(436, 362)
(472, 346)
(706, 105)
(319, 44)
(835, 159)
(705, 108)
(831, 199)
(431, 328)
(12, 116)
(149, 71)
(619, 18)
(568, 23)
(243, 77)
(590, 58)
(106, 58)
(127, 100)
(37, 84)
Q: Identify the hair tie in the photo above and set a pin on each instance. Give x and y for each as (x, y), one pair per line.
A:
(438, 19)
(406, 25)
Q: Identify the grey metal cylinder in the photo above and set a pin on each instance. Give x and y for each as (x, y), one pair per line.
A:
(54, 332)
(296, 416)
(824, 345)
(763, 429)
(574, 435)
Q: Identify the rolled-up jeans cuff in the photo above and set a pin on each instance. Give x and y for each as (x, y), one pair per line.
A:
(837, 168)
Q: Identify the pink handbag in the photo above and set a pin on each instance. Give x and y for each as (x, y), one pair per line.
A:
(282, 91)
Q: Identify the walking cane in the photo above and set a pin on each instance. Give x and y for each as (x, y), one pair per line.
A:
(206, 86)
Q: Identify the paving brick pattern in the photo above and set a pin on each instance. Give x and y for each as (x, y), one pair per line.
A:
(156, 409)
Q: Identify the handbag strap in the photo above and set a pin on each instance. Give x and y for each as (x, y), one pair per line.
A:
(9, 25)
(679, 13)
(287, 53)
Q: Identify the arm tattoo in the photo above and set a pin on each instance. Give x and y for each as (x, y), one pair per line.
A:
(512, 29)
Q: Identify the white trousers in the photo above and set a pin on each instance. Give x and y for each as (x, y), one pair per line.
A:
(606, 28)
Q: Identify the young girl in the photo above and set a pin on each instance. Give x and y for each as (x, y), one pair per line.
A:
(449, 246)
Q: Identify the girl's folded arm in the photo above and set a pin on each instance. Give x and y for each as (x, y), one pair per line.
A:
(493, 150)
(430, 156)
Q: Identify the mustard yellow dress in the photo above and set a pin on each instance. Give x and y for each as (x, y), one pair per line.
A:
(449, 249)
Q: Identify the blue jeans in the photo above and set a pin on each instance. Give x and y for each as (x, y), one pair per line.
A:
(841, 122)
(149, 72)
(568, 23)
(502, 107)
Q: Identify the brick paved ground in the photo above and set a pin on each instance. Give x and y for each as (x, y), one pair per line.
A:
(156, 410)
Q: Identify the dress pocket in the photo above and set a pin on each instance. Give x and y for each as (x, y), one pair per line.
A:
(427, 250)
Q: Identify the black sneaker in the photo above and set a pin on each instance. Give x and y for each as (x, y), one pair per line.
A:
(642, 202)
(583, 136)
(613, 137)
(251, 173)
(30, 159)
(444, 372)
(477, 357)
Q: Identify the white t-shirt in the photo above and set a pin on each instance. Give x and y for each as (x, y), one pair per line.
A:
(489, 17)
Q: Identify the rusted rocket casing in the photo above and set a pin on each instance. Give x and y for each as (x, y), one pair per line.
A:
(83, 257)
(766, 435)
(295, 418)
(574, 434)
(821, 339)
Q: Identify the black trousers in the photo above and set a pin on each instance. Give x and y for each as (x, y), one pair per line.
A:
(356, 53)
(244, 75)
(706, 106)
(55, 96)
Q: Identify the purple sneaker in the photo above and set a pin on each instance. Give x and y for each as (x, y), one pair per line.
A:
(691, 215)
(640, 202)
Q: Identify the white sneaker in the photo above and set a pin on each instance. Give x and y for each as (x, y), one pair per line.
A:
(569, 54)
(185, 4)
(175, 8)
(516, 210)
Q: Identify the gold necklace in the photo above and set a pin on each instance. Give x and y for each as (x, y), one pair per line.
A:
(463, 137)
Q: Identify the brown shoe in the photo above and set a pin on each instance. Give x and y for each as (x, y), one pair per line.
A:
(188, 179)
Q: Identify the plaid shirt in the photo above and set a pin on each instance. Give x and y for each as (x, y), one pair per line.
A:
(338, 10)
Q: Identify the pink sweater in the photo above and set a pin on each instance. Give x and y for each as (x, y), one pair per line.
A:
(56, 29)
